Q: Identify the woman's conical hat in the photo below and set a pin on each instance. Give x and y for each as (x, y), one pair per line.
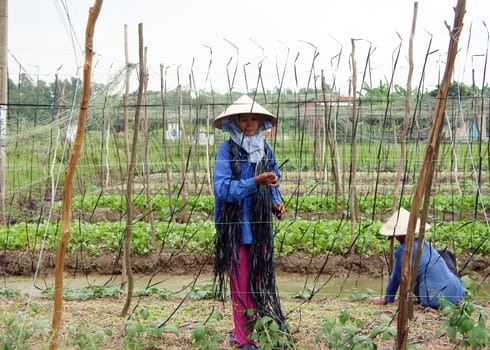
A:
(242, 106)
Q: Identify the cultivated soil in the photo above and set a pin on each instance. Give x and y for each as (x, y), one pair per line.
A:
(17, 263)
(305, 317)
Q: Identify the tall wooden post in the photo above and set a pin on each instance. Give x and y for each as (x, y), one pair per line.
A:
(131, 172)
(426, 174)
(70, 173)
(3, 102)
(353, 171)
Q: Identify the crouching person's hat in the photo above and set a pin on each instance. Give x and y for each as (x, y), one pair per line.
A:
(397, 224)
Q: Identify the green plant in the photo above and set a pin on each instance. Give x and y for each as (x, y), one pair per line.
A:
(267, 333)
(90, 292)
(94, 291)
(143, 334)
(344, 332)
(357, 295)
(204, 336)
(82, 336)
(17, 330)
(383, 330)
(306, 294)
(68, 292)
(6, 292)
(466, 325)
(159, 292)
(205, 291)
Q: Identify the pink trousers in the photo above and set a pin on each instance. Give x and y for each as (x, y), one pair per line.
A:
(240, 299)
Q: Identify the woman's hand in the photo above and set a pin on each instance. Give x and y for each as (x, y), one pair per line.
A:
(267, 179)
(278, 209)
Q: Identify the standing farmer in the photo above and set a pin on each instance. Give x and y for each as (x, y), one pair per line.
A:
(246, 193)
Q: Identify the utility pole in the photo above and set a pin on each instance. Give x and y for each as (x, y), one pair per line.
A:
(3, 102)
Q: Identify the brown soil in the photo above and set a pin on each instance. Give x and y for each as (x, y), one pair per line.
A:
(305, 318)
(16, 263)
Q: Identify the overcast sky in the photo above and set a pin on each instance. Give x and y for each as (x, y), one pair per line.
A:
(47, 37)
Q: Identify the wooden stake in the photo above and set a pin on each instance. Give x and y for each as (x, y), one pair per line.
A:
(69, 173)
(182, 136)
(148, 187)
(168, 169)
(3, 103)
(426, 174)
(332, 143)
(406, 118)
(208, 144)
(131, 169)
(126, 138)
(353, 172)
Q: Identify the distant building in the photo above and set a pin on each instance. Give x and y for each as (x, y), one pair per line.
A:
(313, 110)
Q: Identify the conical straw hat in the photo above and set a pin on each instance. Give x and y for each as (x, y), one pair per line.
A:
(244, 105)
(397, 224)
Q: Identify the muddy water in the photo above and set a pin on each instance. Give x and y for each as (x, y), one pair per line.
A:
(289, 285)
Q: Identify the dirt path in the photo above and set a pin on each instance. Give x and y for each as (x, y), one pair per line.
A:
(305, 319)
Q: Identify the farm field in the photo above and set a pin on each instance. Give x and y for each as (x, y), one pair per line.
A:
(144, 192)
(179, 300)
(312, 247)
(313, 241)
(107, 232)
(85, 322)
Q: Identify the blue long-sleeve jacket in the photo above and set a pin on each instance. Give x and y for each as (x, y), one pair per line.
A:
(228, 190)
(435, 279)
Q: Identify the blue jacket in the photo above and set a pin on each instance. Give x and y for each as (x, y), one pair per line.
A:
(435, 279)
(228, 190)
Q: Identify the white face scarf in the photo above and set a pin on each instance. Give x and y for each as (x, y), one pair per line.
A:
(253, 145)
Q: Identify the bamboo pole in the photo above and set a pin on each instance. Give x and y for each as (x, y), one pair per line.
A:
(418, 253)
(353, 172)
(317, 148)
(426, 174)
(408, 92)
(126, 95)
(168, 169)
(51, 148)
(126, 137)
(193, 144)
(69, 173)
(332, 143)
(130, 178)
(182, 153)
(324, 142)
(107, 164)
(149, 201)
(208, 144)
(3, 103)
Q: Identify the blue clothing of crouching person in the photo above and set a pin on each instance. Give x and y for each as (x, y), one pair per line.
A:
(435, 280)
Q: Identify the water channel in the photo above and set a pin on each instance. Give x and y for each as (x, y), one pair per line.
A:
(288, 284)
